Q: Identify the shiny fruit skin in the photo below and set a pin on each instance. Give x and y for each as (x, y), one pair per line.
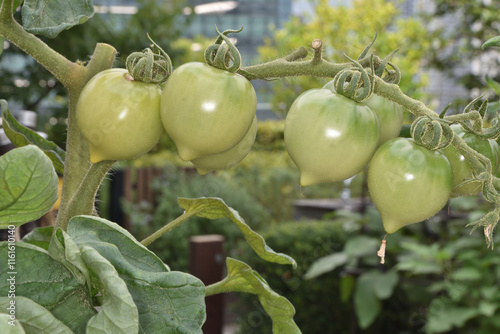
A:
(119, 118)
(230, 158)
(329, 137)
(408, 183)
(389, 114)
(461, 169)
(206, 110)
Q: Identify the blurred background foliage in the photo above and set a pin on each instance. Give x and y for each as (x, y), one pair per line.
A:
(462, 27)
(347, 30)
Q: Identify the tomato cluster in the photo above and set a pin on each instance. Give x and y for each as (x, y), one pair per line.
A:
(209, 113)
(330, 138)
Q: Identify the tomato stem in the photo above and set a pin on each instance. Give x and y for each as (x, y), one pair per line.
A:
(168, 227)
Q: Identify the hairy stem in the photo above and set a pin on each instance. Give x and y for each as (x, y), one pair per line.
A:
(170, 226)
(82, 200)
(78, 169)
(393, 92)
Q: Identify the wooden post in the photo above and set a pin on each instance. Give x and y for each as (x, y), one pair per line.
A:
(206, 262)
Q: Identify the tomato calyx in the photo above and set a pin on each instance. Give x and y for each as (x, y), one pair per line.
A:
(223, 54)
(355, 82)
(431, 133)
(152, 65)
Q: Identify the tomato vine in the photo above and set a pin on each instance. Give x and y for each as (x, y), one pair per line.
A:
(432, 130)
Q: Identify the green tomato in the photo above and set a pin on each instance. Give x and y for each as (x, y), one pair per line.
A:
(389, 114)
(230, 158)
(119, 118)
(461, 169)
(408, 183)
(329, 137)
(206, 110)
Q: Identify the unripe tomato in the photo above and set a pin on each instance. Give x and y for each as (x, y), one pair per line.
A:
(206, 110)
(119, 118)
(389, 114)
(329, 137)
(461, 169)
(230, 158)
(408, 183)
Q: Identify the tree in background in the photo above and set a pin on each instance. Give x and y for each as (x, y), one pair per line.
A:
(351, 29)
(462, 27)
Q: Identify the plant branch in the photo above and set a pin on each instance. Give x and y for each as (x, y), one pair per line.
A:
(170, 226)
(393, 92)
(225, 286)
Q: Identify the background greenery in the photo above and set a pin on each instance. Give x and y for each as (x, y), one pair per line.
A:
(447, 281)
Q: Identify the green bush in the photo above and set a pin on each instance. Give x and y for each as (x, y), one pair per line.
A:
(172, 248)
(325, 304)
(305, 241)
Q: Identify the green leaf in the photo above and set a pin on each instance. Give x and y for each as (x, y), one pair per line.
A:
(493, 85)
(383, 283)
(34, 318)
(443, 315)
(487, 309)
(8, 326)
(346, 287)
(64, 249)
(366, 303)
(115, 243)
(168, 302)
(40, 237)
(492, 42)
(20, 136)
(372, 287)
(326, 264)
(28, 186)
(360, 246)
(241, 278)
(50, 17)
(47, 282)
(421, 259)
(213, 208)
(118, 312)
(466, 274)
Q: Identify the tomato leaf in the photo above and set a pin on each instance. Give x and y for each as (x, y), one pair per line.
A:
(366, 303)
(326, 264)
(28, 186)
(20, 136)
(214, 208)
(50, 17)
(167, 301)
(40, 237)
(492, 42)
(372, 287)
(8, 326)
(242, 278)
(444, 315)
(41, 278)
(34, 318)
(118, 312)
(493, 85)
(63, 249)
